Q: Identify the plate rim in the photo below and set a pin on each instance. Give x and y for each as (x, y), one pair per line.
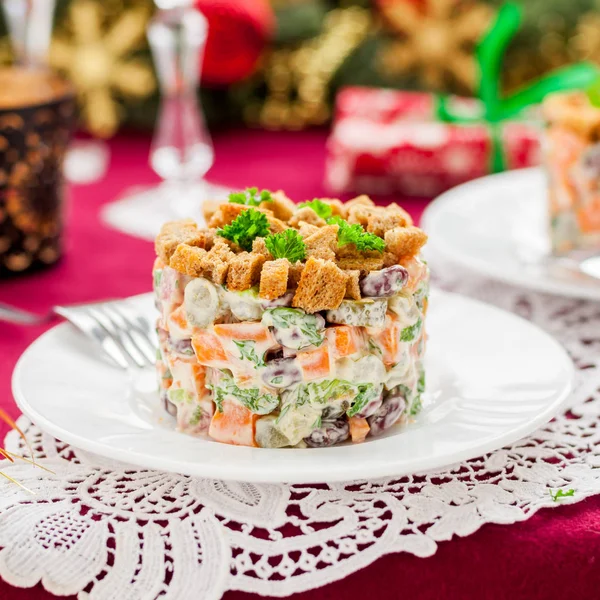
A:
(344, 473)
(487, 269)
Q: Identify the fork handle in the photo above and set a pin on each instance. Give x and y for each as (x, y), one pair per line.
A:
(21, 317)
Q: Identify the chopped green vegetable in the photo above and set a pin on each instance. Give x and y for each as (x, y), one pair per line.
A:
(318, 423)
(277, 380)
(355, 234)
(157, 278)
(249, 225)
(366, 393)
(179, 395)
(196, 416)
(286, 244)
(410, 333)
(283, 317)
(560, 494)
(248, 352)
(593, 93)
(250, 197)
(251, 398)
(421, 383)
(321, 208)
(375, 348)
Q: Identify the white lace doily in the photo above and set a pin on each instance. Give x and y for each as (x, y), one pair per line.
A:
(104, 530)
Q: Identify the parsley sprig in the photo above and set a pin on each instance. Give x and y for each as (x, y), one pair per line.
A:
(556, 496)
(286, 244)
(321, 208)
(248, 352)
(248, 225)
(355, 234)
(250, 197)
(408, 334)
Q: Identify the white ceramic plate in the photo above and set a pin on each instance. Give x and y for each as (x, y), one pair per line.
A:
(497, 226)
(492, 378)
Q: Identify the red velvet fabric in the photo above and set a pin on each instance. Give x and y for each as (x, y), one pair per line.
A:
(555, 554)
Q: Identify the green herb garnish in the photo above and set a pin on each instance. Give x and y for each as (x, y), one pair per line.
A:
(252, 398)
(355, 234)
(196, 416)
(321, 208)
(286, 244)
(157, 278)
(277, 380)
(249, 225)
(179, 395)
(593, 93)
(410, 333)
(560, 494)
(250, 197)
(366, 393)
(283, 317)
(248, 352)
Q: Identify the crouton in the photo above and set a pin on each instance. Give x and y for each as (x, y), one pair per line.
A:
(360, 214)
(337, 207)
(352, 285)
(244, 271)
(306, 229)
(188, 260)
(322, 243)
(174, 233)
(322, 286)
(389, 259)
(283, 208)
(275, 225)
(405, 241)
(216, 262)
(364, 264)
(359, 200)
(308, 215)
(209, 208)
(295, 273)
(259, 247)
(393, 207)
(381, 221)
(226, 213)
(274, 278)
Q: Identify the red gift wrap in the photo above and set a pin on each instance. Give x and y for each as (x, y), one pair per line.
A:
(387, 141)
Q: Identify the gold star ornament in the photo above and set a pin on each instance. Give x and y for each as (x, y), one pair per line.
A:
(434, 41)
(95, 49)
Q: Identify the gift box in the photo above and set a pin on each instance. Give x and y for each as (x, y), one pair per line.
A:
(387, 141)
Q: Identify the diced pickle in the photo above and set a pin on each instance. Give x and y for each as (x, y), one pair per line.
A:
(369, 312)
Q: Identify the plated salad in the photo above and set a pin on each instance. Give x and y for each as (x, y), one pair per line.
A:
(291, 325)
(572, 148)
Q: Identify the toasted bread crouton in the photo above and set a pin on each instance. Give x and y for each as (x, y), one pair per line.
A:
(352, 286)
(283, 208)
(225, 213)
(405, 241)
(188, 260)
(389, 259)
(274, 278)
(362, 200)
(306, 229)
(259, 247)
(174, 233)
(244, 271)
(308, 215)
(322, 243)
(360, 214)
(216, 262)
(294, 274)
(393, 207)
(322, 286)
(276, 225)
(210, 207)
(364, 264)
(337, 206)
(381, 221)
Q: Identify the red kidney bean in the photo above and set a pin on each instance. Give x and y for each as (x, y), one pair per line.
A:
(282, 373)
(384, 283)
(387, 414)
(329, 434)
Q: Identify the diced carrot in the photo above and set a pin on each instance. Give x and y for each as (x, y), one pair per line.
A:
(199, 373)
(179, 318)
(314, 364)
(359, 428)
(208, 348)
(256, 332)
(388, 339)
(235, 425)
(343, 339)
(589, 217)
(416, 272)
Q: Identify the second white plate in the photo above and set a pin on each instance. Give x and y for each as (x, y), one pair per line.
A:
(497, 226)
(492, 378)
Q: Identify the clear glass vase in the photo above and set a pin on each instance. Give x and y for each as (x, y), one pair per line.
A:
(181, 151)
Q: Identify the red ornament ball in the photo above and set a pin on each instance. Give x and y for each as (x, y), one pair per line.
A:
(238, 32)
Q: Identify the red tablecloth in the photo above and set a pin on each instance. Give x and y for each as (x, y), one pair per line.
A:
(552, 555)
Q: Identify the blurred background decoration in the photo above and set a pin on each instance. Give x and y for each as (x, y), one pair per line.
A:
(279, 63)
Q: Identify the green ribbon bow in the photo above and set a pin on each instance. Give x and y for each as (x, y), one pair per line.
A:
(496, 109)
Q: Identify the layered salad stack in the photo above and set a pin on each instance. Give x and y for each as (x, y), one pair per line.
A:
(572, 144)
(291, 325)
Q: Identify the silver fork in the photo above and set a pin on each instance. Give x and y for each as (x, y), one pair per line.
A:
(126, 336)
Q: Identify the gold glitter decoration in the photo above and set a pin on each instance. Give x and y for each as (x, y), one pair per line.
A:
(436, 44)
(298, 79)
(94, 50)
